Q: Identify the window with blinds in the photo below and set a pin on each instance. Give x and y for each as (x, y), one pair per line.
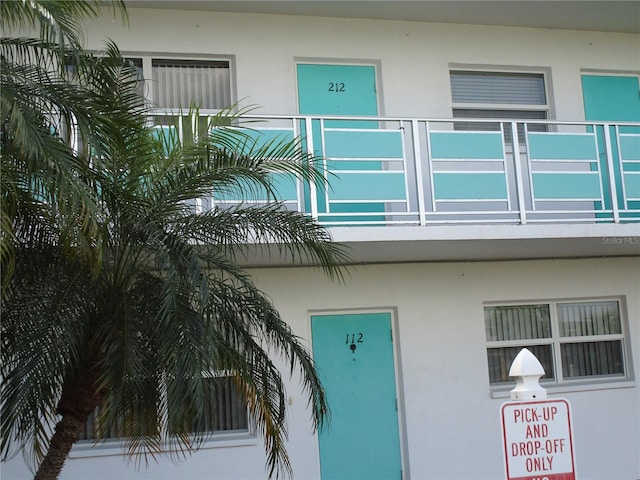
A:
(572, 340)
(499, 95)
(182, 83)
(498, 88)
(229, 415)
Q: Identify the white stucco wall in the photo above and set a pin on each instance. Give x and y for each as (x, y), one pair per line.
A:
(414, 57)
(451, 422)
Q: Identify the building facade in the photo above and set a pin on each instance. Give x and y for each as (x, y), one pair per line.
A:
(486, 179)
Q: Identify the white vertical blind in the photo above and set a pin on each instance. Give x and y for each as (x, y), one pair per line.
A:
(592, 358)
(580, 319)
(182, 83)
(230, 412)
(517, 322)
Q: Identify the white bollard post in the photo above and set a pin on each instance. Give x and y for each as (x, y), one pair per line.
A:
(527, 370)
(537, 438)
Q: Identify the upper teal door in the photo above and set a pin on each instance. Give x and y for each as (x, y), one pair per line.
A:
(609, 98)
(354, 355)
(340, 90)
(337, 89)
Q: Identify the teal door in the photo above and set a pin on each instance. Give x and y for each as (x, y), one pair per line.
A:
(337, 90)
(614, 99)
(340, 90)
(611, 98)
(354, 354)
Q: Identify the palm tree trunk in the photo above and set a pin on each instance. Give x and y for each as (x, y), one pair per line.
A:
(79, 399)
(66, 434)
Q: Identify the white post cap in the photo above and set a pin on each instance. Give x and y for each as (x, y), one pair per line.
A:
(527, 370)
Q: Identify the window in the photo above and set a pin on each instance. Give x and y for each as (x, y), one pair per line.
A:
(180, 83)
(500, 95)
(572, 340)
(230, 415)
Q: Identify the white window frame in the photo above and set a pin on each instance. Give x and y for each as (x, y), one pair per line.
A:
(546, 107)
(555, 340)
(147, 59)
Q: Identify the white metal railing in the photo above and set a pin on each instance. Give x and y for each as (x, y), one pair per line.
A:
(418, 171)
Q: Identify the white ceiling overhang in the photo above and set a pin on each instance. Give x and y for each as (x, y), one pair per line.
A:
(609, 16)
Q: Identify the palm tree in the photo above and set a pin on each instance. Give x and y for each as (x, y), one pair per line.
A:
(122, 295)
(49, 83)
(171, 306)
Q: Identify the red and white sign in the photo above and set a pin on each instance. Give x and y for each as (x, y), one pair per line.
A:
(538, 440)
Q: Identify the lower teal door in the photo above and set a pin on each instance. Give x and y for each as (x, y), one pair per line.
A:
(354, 354)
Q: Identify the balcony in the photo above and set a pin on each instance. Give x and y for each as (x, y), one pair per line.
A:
(556, 189)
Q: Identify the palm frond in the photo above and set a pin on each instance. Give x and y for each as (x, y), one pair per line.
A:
(239, 229)
(40, 109)
(44, 314)
(56, 21)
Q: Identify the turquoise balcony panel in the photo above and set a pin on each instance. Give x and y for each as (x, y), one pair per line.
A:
(632, 185)
(559, 146)
(470, 186)
(630, 158)
(366, 187)
(630, 146)
(366, 144)
(168, 135)
(275, 140)
(467, 145)
(163, 131)
(283, 189)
